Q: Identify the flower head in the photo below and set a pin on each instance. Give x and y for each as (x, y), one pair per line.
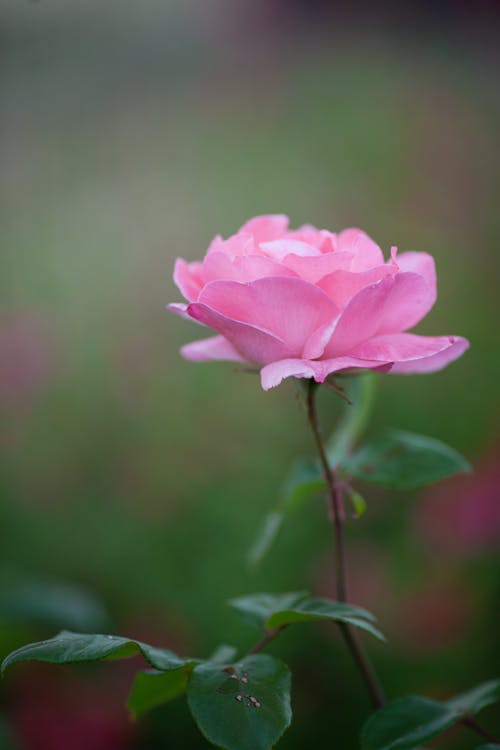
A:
(306, 303)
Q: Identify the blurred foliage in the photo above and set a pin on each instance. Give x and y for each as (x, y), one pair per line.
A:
(132, 133)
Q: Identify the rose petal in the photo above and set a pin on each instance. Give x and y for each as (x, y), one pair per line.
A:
(289, 308)
(318, 340)
(219, 266)
(315, 268)
(216, 347)
(267, 227)
(181, 309)
(413, 354)
(253, 343)
(408, 301)
(366, 252)
(237, 244)
(188, 278)
(342, 285)
(279, 249)
(423, 264)
(389, 306)
(324, 240)
(360, 319)
(273, 373)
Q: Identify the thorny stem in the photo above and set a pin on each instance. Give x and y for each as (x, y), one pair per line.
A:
(336, 513)
(471, 723)
(269, 636)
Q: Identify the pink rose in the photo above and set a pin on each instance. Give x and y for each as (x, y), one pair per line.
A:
(307, 303)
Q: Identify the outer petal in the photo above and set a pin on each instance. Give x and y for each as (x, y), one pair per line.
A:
(253, 343)
(182, 310)
(288, 308)
(271, 375)
(389, 306)
(409, 300)
(413, 354)
(366, 252)
(274, 373)
(188, 278)
(267, 227)
(216, 347)
(360, 319)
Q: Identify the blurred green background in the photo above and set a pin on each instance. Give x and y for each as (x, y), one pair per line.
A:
(131, 134)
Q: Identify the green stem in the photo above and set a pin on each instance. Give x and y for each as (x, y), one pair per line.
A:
(471, 723)
(336, 513)
(269, 636)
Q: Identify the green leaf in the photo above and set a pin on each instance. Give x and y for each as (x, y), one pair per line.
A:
(245, 707)
(67, 648)
(490, 746)
(153, 688)
(406, 723)
(304, 480)
(266, 537)
(223, 654)
(270, 611)
(404, 460)
(323, 609)
(256, 609)
(473, 701)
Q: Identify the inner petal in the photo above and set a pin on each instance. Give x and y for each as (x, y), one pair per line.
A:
(279, 249)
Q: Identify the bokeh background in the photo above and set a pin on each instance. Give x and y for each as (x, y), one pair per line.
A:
(133, 483)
